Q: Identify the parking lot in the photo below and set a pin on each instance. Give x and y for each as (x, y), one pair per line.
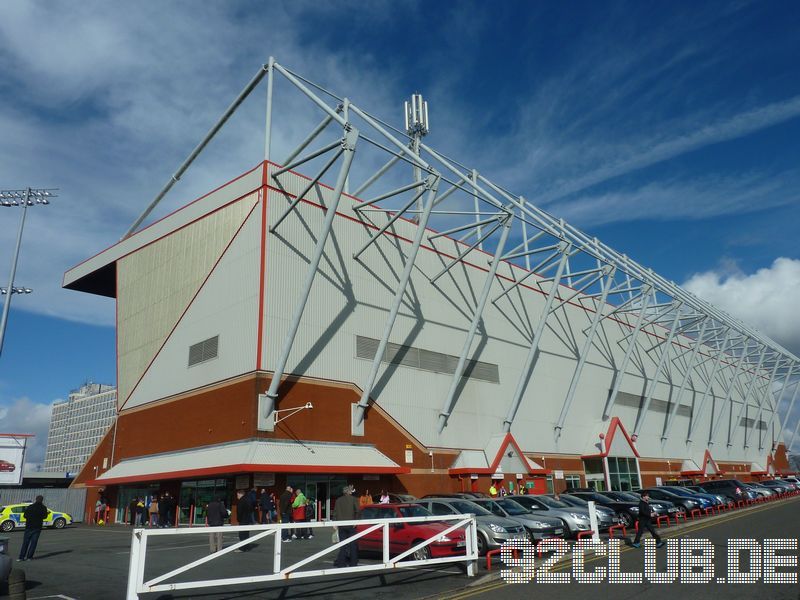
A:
(86, 562)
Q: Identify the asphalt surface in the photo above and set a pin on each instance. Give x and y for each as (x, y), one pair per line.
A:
(88, 563)
(778, 520)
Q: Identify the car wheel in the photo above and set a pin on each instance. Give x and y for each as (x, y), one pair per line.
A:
(7, 525)
(60, 523)
(482, 544)
(423, 553)
(626, 519)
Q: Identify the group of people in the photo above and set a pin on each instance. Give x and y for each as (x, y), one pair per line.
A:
(292, 507)
(497, 489)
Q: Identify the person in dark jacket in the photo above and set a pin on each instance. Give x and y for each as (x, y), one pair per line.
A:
(244, 516)
(285, 506)
(132, 512)
(346, 509)
(34, 514)
(251, 496)
(267, 506)
(163, 510)
(645, 522)
(216, 513)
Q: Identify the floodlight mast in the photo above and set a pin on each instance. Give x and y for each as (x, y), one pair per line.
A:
(416, 114)
(24, 198)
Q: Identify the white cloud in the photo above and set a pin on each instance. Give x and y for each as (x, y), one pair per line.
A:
(687, 199)
(26, 416)
(766, 299)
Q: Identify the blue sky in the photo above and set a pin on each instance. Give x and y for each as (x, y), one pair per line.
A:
(668, 130)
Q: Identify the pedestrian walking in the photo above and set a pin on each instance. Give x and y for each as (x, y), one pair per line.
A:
(645, 522)
(346, 509)
(299, 516)
(244, 516)
(267, 507)
(385, 497)
(285, 507)
(216, 513)
(364, 500)
(132, 512)
(139, 511)
(152, 512)
(34, 514)
(163, 511)
(493, 490)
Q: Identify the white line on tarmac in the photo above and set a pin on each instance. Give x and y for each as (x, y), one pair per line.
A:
(61, 596)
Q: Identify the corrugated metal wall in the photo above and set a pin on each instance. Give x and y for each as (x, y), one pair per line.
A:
(68, 500)
(157, 283)
(226, 307)
(351, 298)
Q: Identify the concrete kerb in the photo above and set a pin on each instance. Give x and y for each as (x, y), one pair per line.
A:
(495, 575)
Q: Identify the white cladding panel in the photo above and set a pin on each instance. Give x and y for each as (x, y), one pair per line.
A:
(225, 306)
(204, 205)
(351, 298)
(156, 284)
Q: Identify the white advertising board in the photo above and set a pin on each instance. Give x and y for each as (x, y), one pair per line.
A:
(12, 457)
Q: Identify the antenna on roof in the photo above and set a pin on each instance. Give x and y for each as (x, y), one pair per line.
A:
(416, 114)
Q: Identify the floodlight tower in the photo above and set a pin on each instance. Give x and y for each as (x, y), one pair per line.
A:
(24, 198)
(417, 128)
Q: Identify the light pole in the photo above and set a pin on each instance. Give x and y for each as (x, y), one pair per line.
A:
(24, 198)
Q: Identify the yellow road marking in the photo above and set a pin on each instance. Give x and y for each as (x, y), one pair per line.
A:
(567, 562)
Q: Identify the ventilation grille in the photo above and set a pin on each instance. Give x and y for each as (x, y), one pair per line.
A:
(426, 360)
(748, 423)
(203, 351)
(656, 405)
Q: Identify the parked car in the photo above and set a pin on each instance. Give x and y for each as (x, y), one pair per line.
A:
(762, 490)
(688, 504)
(575, 519)
(608, 514)
(395, 498)
(732, 489)
(626, 511)
(537, 526)
(462, 495)
(782, 487)
(685, 491)
(7, 467)
(493, 531)
(403, 536)
(11, 517)
(660, 507)
(702, 490)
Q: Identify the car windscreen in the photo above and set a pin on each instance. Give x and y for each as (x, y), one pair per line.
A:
(678, 491)
(614, 496)
(552, 502)
(512, 508)
(466, 507)
(574, 500)
(414, 511)
(626, 497)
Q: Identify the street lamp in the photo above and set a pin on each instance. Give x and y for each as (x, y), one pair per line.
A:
(24, 198)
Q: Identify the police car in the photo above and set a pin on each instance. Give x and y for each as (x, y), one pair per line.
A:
(11, 517)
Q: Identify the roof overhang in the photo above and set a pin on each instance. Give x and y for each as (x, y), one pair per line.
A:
(253, 456)
(708, 469)
(490, 460)
(614, 427)
(98, 274)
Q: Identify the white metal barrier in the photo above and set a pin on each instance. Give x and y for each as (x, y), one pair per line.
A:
(136, 574)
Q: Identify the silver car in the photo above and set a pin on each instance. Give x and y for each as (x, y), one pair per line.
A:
(575, 519)
(493, 531)
(537, 526)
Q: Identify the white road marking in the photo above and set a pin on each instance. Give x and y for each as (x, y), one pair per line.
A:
(58, 596)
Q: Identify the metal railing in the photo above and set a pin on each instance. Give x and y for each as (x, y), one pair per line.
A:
(139, 544)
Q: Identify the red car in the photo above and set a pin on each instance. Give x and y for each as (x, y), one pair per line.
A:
(7, 467)
(403, 536)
